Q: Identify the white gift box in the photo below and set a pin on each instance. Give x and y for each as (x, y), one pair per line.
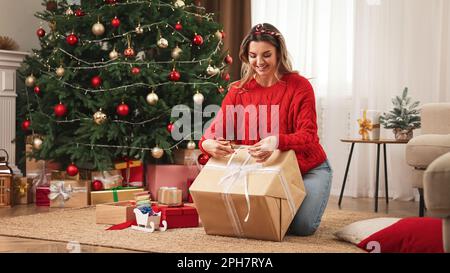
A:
(371, 125)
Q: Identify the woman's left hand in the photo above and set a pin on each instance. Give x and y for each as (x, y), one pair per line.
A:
(262, 150)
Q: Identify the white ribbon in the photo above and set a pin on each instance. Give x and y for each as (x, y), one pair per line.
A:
(57, 188)
(233, 174)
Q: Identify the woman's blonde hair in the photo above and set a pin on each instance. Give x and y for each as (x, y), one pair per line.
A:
(267, 33)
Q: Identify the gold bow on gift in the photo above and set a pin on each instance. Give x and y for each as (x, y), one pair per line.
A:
(365, 125)
(22, 188)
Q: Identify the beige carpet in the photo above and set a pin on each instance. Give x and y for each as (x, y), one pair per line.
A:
(79, 225)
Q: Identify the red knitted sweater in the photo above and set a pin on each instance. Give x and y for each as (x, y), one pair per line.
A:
(294, 96)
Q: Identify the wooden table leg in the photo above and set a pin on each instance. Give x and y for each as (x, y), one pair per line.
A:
(386, 174)
(377, 177)
(346, 173)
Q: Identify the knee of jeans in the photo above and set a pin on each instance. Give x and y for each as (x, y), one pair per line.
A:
(304, 229)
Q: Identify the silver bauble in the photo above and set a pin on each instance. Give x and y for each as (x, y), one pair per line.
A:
(98, 29)
(139, 29)
(60, 71)
(162, 43)
(191, 145)
(198, 98)
(176, 52)
(99, 117)
(37, 143)
(157, 152)
(179, 4)
(152, 98)
(113, 54)
(30, 81)
(211, 70)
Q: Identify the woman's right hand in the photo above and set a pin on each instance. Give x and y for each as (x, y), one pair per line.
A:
(217, 148)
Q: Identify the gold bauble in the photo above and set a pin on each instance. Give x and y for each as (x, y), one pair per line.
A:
(60, 71)
(191, 145)
(37, 143)
(99, 117)
(157, 152)
(98, 29)
(219, 35)
(139, 29)
(152, 98)
(179, 4)
(176, 52)
(162, 43)
(198, 98)
(30, 81)
(113, 54)
(69, 11)
(211, 70)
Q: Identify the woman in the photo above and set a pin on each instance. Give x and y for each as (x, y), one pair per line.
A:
(268, 79)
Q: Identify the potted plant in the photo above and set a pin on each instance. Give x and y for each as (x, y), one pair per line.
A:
(403, 118)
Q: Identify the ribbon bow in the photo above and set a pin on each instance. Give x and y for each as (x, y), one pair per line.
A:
(58, 189)
(23, 188)
(365, 125)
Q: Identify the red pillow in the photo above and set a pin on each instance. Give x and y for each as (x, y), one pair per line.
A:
(408, 235)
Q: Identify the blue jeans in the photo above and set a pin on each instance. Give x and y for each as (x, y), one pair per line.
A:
(317, 185)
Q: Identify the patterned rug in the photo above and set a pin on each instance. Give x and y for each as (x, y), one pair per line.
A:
(78, 225)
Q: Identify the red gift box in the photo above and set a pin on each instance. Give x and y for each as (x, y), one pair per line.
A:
(169, 176)
(178, 217)
(42, 196)
(132, 173)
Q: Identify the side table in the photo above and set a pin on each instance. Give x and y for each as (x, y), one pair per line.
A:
(378, 142)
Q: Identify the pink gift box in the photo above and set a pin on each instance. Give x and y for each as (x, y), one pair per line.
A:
(170, 176)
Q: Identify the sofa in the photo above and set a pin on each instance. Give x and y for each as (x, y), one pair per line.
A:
(423, 150)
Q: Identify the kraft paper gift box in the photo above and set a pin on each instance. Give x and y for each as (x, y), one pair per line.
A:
(110, 179)
(23, 190)
(169, 176)
(115, 213)
(114, 195)
(275, 191)
(69, 193)
(186, 156)
(34, 167)
(369, 124)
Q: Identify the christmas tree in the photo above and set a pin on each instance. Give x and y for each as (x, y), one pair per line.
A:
(404, 115)
(109, 72)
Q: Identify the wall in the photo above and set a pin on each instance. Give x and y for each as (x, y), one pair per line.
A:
(18, 22)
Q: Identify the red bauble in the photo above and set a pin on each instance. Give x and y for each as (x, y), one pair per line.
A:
(26, 125)
(228, 59)
(198, 40)
(122, 109)
(135, 70)
(115, 22)
(97, 185)
(223, 35)
(72, 39)
(72, 170)
(178, 26)
(226, 76)
(170, 127)
(96, 81)
(79, 13)
(129, 52)
(51, 5)
(37, 90)
(40, 32)
(203, 159)
(174, 75)
(60, 110)
(111, 2)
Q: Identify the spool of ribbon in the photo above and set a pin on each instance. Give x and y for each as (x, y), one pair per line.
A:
(365, 125)
(170, 196)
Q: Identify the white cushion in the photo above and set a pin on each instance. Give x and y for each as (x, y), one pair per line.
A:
(358, 231)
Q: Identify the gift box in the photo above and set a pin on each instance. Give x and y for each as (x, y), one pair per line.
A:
(115, 213)
(62, 175)
(186, 156)
(178, 217)
(69, 193)
(238, 197)
(170, 196)
(114, 195)
(369, 125)
(34, 167)
(169, 176)
(42, 196)
(23, 190)
(110, 179)
(132, 172)
(189, 184)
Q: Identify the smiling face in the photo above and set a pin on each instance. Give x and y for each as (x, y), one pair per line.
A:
(262, 57)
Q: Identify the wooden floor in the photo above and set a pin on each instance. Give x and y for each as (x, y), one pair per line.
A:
(14, 244)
